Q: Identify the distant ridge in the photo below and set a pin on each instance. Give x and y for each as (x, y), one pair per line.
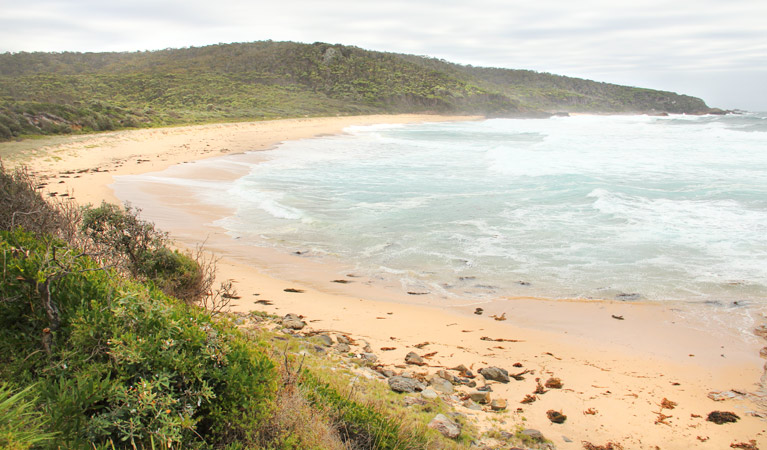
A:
(55, 93)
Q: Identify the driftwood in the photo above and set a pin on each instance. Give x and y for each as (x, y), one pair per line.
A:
(485, 338)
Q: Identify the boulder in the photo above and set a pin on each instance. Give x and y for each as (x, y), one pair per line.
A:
(447, 427)
(495, 374)
(441, 385)
(388, 373)
(464, 371)
(343, 339)
(444, 374)
(472, 405)
(410, 401)
(343, 348)
(293, 322)
(533, 434)
(413, 358)
(498, 404)
(325, 340)
(405, 384)
(429, 394)
(330, 54)
(369, 357)
(480, 397)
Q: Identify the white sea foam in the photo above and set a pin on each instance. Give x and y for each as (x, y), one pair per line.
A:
(664, 207)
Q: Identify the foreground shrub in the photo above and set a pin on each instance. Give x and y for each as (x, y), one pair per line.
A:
(134, 244)
(123, 233)
(126, 365)
(21, 426)
(175, 273)
(361, 425)
(116, 237)
(21, 205)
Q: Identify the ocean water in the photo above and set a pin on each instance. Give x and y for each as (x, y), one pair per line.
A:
(609, 207)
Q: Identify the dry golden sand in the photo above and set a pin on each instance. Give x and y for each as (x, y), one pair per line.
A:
(619, 369)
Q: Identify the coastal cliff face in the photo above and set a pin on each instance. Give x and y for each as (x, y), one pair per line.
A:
(55, 93)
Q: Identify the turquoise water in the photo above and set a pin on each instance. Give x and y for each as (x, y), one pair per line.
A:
(624, 207)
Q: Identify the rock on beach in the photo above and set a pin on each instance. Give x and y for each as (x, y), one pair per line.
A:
(293, 322)
(405, 384)
(495, 374)
(447, 427)
(440, 384)
(413, 358)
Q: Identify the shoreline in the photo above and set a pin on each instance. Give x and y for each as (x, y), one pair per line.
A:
(592, 319)
(618, 354)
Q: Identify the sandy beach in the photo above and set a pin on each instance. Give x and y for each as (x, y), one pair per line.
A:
(617, 361)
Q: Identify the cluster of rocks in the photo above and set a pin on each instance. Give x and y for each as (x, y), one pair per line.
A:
(457, 386)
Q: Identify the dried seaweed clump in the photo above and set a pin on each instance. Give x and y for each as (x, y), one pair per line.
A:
(608, 446)
(721, 417)
(554, 383)
(556, 416)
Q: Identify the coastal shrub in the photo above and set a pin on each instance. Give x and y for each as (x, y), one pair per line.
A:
(175, 273)
(123, 232)
(5, 132)
(21, 204)
(135, 244)
(115, 236)
(360, 425)
(130, 366)
(21, 425)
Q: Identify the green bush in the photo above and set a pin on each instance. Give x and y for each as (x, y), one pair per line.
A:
(21, 426)
(123, 232)
(5, 132)
(137, 245)
(130, 366)
(22, 205)
(174, 273)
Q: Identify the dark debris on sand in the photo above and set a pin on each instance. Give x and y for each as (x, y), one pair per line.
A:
(722, 417)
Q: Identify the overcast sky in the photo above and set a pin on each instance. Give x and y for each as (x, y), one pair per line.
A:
(713, 49)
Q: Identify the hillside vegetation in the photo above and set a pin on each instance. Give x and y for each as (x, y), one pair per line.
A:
(53, 93)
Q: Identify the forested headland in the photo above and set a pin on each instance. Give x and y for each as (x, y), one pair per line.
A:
(60, 93)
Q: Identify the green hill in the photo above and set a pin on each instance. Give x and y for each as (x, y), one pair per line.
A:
(52, 93)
